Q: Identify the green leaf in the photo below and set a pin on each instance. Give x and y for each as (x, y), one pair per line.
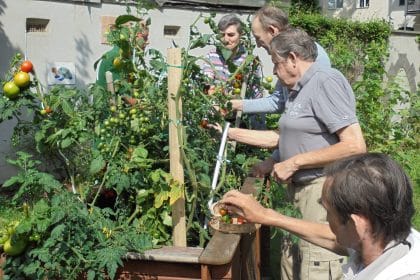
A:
(67, 108)
(57, 232)
(11, 181)
(91, 275)
(166, 218)
(125, 18)
(139, 154)
(97, 165)
(176, 192)
(160, 198)
(155, 176)
(226, 53)
(66, 143)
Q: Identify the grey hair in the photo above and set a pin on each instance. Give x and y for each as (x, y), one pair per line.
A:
(270, 15)
(228, 20)
(294, 40)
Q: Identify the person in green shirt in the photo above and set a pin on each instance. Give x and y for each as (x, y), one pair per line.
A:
(113, 59)
(110, 61)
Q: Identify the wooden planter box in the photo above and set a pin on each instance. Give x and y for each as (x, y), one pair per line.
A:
(227, 256)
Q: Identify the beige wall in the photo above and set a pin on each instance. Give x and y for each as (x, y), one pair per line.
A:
(404, 59)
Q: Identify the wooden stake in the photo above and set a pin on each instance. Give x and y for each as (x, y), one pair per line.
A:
(179, 236)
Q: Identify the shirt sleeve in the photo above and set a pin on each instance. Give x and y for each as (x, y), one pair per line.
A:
(273, 103)
(322, 57)
(335, 104)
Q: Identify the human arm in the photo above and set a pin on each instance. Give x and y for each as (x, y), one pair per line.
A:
(260, 138)
(273, 103)
(316, 233)
(350, 142)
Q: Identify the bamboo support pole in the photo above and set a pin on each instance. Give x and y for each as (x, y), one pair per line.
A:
(176, 167)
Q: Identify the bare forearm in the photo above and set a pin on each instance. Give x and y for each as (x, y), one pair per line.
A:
(260, 138)
(316, 233)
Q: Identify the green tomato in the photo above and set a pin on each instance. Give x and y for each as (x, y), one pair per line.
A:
(14, 246)
(11, 90)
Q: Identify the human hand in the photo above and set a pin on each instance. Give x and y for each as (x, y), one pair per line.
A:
(237, 104)
(283, 171)
(263, 168)
(244, 205)
(216, 127)
(222, 112)
(211, 90)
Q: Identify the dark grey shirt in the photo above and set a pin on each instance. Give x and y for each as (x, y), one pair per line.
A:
(321, 103)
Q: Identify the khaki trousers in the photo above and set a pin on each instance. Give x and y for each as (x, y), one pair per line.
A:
(305, 261)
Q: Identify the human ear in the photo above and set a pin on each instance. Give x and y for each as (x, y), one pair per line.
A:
(361, 224)
(273, 30)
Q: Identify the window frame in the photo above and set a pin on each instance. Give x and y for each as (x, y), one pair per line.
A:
(340, 6)
(363, 4)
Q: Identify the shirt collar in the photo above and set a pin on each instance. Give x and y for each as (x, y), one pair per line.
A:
(307, 76)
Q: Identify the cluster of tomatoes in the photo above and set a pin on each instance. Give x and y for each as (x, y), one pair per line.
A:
(237, 84)
(20, 81)
(122, 117)
(228, 219)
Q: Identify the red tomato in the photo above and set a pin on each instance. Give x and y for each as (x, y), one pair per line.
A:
(241, 220)
(26, 66)
(222, 211)
(204, 123)
(238, 76)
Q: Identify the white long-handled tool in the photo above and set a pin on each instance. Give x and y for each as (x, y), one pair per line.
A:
(219, 161)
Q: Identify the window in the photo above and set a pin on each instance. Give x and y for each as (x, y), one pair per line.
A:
(36, 24)
(402, 3)
(363, 3)
(335, 4)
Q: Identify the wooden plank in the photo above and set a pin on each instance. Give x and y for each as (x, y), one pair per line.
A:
(176, 168)
(169, 254)
(221, 249)
(135, 269)
(205, 272)
(249, 257)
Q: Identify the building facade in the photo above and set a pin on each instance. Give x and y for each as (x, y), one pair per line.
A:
(404, 18)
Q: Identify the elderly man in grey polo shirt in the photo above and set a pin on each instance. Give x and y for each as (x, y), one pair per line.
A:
(319, 125)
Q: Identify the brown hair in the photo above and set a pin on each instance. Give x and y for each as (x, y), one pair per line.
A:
(375, 186)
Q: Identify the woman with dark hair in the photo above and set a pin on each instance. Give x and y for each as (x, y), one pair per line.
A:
(369, 204)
